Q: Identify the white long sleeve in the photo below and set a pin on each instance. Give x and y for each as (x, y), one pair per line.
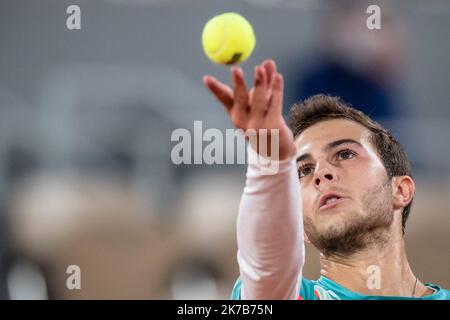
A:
(270, 232)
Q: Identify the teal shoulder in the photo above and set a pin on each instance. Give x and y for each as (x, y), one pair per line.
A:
(236, 292)
(442, 294)
(306, 290)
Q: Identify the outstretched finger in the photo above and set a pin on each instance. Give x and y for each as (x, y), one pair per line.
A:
(260, 94)
(271, 69)
(276, 100)
(240, 91)
(251, 93)
(221, 91)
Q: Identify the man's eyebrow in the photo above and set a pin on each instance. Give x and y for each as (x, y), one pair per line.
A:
(303, 157)
(328, 147)
(337, 143)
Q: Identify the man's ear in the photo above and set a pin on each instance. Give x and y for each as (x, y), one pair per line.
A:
(305, 237)
(403, 189)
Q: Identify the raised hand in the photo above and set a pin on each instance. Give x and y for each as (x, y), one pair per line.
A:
(257, 108)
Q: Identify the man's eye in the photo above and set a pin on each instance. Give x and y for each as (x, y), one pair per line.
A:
(346, 154)
(304, 171)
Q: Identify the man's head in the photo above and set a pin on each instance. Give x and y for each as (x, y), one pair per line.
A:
(355, 177)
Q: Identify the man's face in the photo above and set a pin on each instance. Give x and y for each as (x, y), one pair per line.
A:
(346, 193)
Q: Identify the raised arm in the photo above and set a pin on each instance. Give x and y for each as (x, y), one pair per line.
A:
(270, 225)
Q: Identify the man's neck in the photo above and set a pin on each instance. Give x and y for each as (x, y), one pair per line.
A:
(379, 270)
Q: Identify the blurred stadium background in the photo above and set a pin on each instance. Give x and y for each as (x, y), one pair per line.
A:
(86, 117)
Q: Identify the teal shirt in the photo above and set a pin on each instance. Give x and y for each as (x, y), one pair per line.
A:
(326, 289)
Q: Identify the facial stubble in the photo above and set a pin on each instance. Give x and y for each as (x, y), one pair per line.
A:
(359, 231)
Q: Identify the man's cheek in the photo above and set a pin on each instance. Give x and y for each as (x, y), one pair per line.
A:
(307, 208)
(363, 171)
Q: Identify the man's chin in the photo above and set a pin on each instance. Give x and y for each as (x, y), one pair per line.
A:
(331, 217)
(333, 224)
(333, 227)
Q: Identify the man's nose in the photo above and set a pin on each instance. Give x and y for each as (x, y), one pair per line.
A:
(324, 174)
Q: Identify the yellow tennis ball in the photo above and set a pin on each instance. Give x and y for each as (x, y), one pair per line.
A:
(228, 38)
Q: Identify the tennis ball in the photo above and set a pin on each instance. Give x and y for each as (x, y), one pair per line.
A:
(228, 38)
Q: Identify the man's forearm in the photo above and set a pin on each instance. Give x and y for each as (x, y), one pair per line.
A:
(270, 233)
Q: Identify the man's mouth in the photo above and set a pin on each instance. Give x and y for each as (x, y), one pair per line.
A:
(330, 200)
